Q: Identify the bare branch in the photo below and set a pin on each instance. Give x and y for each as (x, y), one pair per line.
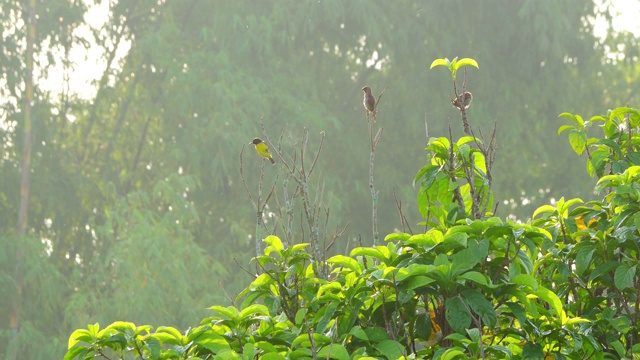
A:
(403, 219)
(244, 182)
(315, 159)
(426, 127)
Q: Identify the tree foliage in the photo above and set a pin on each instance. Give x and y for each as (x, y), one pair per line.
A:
(135, 185)
(563, 286)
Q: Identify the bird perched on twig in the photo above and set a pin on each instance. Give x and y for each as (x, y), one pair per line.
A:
(263, 150)
(369, 101)
(464, 98)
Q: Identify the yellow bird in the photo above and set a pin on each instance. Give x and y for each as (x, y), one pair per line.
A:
(263, 150)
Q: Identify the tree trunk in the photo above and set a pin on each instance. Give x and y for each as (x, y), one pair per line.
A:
(21, 226)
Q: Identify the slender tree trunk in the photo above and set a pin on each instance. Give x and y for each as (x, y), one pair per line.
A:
(21, 226)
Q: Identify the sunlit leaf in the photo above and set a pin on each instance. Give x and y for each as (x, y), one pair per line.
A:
(467, 62)
(439, 62)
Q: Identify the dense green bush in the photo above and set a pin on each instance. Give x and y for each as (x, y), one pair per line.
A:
(565, 285)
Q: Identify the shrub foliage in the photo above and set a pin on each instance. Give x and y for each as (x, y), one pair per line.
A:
(564, 285)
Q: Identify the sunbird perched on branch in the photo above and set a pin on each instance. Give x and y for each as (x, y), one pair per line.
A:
(263, 150)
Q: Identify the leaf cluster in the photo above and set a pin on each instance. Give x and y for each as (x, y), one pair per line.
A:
(564, 286)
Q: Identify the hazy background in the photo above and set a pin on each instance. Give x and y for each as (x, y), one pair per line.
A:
(141, 109)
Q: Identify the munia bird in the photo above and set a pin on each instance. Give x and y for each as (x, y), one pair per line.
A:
(369, 101)
(463, 99)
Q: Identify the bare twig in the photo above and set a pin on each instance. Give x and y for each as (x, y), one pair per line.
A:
(298, 172)
(314, 352)
(463, 111)
(456, 192)
(403, 219)
(245, 270)
(257, 203)
(373, 141)
(426, 127)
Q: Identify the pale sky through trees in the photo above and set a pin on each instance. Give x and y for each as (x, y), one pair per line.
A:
(89, 66)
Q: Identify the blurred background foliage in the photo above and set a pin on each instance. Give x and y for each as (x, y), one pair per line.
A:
(137, 210)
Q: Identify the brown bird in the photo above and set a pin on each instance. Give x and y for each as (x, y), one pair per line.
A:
(369, 101)
(464, 99)
(263, 150)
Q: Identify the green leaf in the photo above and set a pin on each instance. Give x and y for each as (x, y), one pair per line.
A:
(359, 333)
(174, 332)
(634, 158)
(300, 353)
(564, 128)
(230, 312)
(457, 315)
(79, 335)
(467, 62)
(248, 351)
(376, 334)
(603, 269)
(430, 174)
(452, 354)
(531, 351)
(474, 276)
(474, 334)
(300, 315)
(440, 147)
(577, 140)
(349, 263)
(122, 326)
(397, 237)
(334, 351)
(390, 349)
(612, 145)
(254, 309)
(94, 329)
(502, 349)
(423, 326)
(303, 340)
(326, 317)
(552, 299)
(272, 356)
(576, 119)
(624, 275)
(544, 209)
(298, 247)
(438, 62)
(77, 353)
(465, 139)
(428, 239)
(518, 311)
(455, 240)
(481, 306)
(415, 282)
(380, 252)
(154, 347)
(329, 287)
(527, 280)
(622, 218)
(620, 112)
(276, 245)
(599, 159)
(564, 206)
(583, 258)
(617, 345)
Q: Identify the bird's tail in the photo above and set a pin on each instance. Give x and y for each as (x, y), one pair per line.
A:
(273, 162)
